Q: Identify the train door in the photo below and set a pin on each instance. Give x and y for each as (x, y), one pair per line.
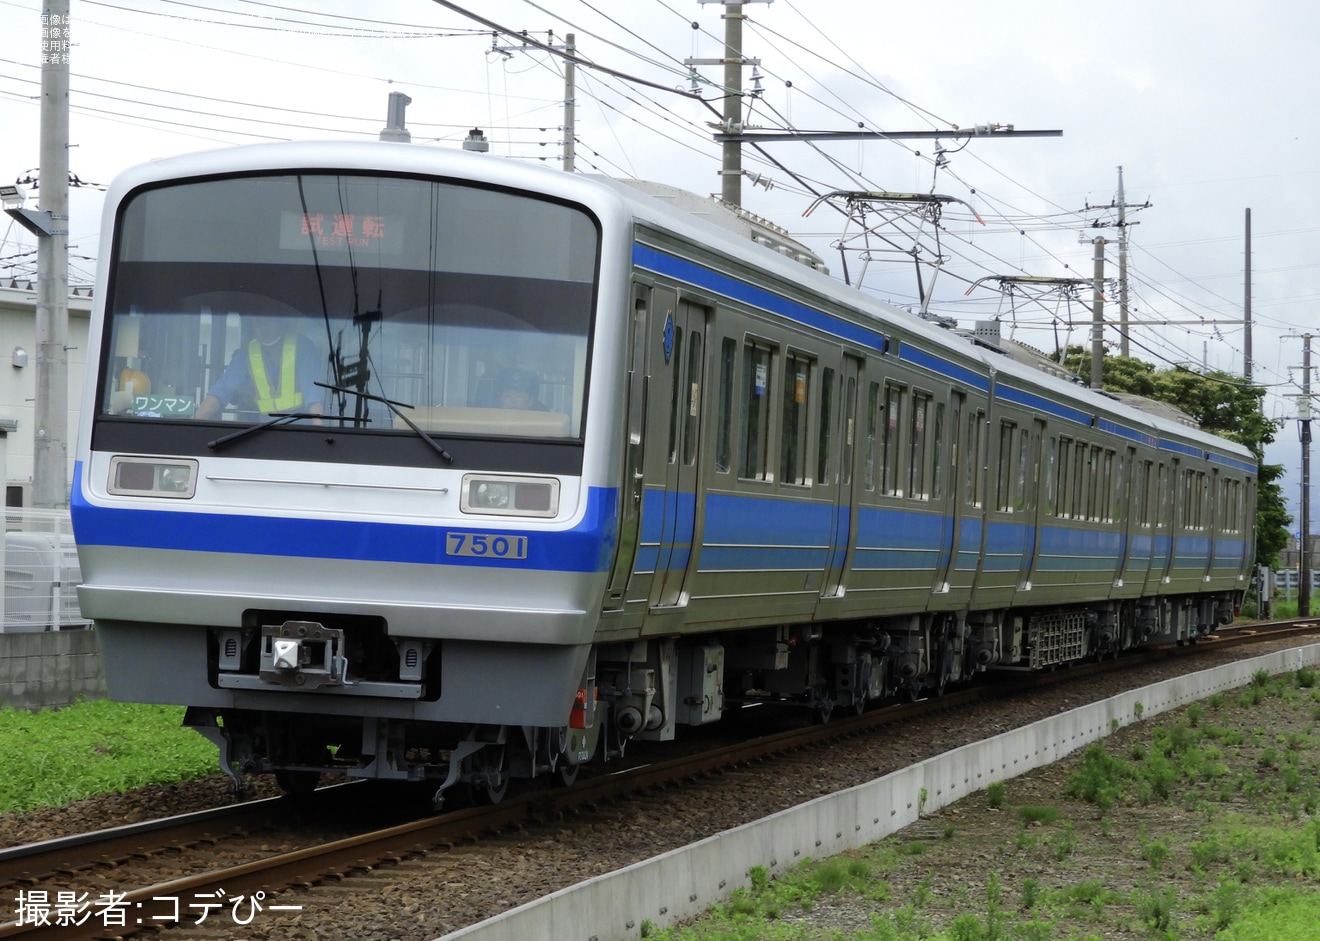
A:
(1208, 517)
(676, 367)
(838, 430)
(630, 509)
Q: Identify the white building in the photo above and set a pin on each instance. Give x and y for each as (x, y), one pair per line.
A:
(18, 381)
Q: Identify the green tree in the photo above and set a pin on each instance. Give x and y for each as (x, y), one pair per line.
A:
(1221, 404)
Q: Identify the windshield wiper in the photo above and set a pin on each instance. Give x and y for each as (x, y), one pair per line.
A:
(280, 418)
(395, 408)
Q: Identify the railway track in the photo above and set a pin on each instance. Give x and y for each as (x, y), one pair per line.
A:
(283, 880)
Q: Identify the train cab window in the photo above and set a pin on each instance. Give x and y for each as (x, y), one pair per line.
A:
(826, 426)
(425, 293)
(793, 437)
(917, 447)
(724, 420)
(755, 430)
(890, 427)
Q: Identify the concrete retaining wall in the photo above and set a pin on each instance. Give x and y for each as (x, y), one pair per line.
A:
(50, 668)
(685, 882)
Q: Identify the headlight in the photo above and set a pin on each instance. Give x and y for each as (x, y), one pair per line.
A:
(152, 477)
(510, 496)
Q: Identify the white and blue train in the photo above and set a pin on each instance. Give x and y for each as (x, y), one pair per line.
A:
(420, 464)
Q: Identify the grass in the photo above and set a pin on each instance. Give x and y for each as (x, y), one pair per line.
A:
(94, 747)
(1205, 825)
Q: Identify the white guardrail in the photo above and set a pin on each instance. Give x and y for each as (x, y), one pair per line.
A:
(41, 572)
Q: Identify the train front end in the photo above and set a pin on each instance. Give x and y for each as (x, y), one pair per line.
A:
(336, 490)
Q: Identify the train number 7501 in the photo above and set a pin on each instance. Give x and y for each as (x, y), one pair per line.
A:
(486, 545)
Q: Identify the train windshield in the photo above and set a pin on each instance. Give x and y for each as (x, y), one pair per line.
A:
(322, 295)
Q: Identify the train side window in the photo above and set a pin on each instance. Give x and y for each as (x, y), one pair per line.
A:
(917, 447)
(872, 421)
(724, 420)
(1004, 468)
(937, 459)
(1024, 476)
(956, 458)
(793, 436)
(675, 395)
(890, 426)
(1095, 485)
(1079, 481)
(1163, 511)
(1062, 507)
(692, 398)
(826, 426)
(973, 481)
(755, 431)
(1109, 483)
(849, 430)
(1141, 498)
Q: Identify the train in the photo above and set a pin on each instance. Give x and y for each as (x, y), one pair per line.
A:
(416, 464)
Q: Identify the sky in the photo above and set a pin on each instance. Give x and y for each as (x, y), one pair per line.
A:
(1208, 107)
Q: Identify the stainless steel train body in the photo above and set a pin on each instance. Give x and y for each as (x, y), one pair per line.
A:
(734, 479)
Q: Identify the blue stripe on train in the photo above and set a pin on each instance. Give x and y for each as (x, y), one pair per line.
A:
(588, 547)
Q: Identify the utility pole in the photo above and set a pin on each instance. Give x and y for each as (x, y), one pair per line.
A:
(1098, 315)
(733, 62)
(1304, 560)
(50, 454)
(1246, 305)
(568, 52)
(1122, 205)
(570, 103)
(1122, 270)
(731, 164)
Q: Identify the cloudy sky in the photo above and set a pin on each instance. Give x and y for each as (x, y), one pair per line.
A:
(1209, 108)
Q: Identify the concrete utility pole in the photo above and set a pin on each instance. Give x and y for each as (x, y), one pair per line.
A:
(1122, 270)
(1122, 205)
(570, 103)
(50, 455)
(1304, 561)
(733, 62)
(1246, 305)
(731, 164)
(1098, 316)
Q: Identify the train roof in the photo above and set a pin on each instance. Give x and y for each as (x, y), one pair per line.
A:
(1132, 410)
(746, 239)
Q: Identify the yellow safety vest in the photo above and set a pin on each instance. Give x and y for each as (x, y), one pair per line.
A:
(289, 396)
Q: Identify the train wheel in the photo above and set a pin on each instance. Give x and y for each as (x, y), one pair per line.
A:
(491, 789)
(297, 783)
(823, 709)
(564, 775)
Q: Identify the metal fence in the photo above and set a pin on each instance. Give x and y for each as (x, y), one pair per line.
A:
(41, 572)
